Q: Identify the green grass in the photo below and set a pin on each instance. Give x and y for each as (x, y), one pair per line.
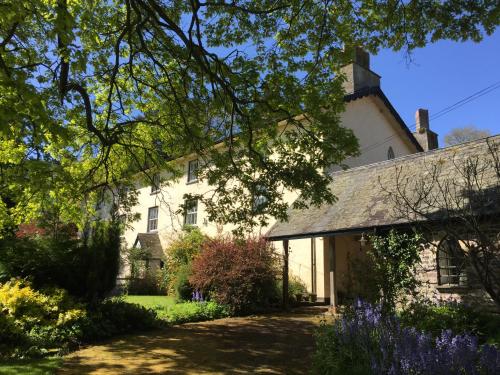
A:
(31, 367)
(177, 313)
(151, 302)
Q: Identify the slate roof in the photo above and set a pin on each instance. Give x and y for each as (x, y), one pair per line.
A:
(151, 242)
(363, 201)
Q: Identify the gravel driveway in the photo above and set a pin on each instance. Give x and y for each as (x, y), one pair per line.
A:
(271, 344)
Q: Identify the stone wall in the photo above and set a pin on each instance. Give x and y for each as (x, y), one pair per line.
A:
(472, 293)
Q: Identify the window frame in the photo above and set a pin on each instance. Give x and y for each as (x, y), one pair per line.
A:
(155, 185)
(153, 219)
(260, 199)
(390, 153)
(454, 270)
(191, 204)
(192, 172)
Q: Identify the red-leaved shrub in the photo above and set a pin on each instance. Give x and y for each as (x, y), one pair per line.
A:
(238, 273)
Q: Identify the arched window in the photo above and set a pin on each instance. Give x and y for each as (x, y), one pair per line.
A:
(390, 153)
(450, 263)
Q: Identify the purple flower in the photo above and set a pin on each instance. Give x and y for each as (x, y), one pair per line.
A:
(197, 296)
(389, 348)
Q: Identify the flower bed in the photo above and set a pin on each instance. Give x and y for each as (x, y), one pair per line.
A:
(365, 341)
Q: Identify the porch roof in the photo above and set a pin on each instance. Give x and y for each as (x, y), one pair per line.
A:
(363, 201)
(151, 242)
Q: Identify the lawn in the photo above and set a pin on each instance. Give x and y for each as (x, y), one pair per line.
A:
(31, 366)
(151, 302)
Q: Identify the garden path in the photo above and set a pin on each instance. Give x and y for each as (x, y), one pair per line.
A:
(272, 344)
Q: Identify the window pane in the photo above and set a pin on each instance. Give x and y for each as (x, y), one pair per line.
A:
(191, 212)
(152, 219)
(390, 153)
(192, 169)
(155, 187)
(451, 263)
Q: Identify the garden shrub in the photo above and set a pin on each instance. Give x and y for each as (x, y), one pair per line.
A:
(180, 253)
(35, 321)
(86, 268)
(394, 259)
(184, 248)
(115, 316)
(183, 288)
(47, 319)
(11, 336)
(457, 317)
(194, 312)
(365, 341)
(295, 287)
(240, 274)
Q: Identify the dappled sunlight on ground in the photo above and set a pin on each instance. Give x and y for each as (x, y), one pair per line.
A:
(273, 344)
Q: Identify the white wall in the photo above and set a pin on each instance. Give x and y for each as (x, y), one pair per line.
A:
(371, 122)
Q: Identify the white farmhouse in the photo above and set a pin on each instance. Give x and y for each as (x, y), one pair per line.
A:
(382, 135)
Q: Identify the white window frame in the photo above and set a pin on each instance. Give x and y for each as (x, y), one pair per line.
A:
(155, 186)
(191, 215)
(260, 199)
(153, 219)
(192, 170)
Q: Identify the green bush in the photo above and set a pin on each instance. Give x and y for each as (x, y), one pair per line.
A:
(86, 268)
(115, 316)
(183, 289)
(33, 322)
(459, 318)
(295, 287)
(194, 312)
(11, 336)
(180, 254)
(48, 319)
(394, 259)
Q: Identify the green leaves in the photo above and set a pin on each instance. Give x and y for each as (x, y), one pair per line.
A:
(101, 91)
(395, 257)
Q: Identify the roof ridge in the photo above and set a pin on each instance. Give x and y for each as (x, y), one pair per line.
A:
(415, 155)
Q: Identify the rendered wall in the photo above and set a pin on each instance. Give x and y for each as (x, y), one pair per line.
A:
(372, 124)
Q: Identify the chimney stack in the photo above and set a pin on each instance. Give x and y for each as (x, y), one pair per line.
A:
(422, 120)
(358, 73)
(426, 137)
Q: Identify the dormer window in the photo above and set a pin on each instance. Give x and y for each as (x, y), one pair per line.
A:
(390, 153)
(155, 186)
(193, 171)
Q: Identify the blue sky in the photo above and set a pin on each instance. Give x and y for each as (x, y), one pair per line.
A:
(440, 75)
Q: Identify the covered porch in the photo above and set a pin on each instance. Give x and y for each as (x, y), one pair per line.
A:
(334, 259)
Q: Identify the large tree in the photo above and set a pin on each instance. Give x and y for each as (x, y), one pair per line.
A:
(464, 134)
(94, 92)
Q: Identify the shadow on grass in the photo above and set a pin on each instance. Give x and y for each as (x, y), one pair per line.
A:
(279, 343)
